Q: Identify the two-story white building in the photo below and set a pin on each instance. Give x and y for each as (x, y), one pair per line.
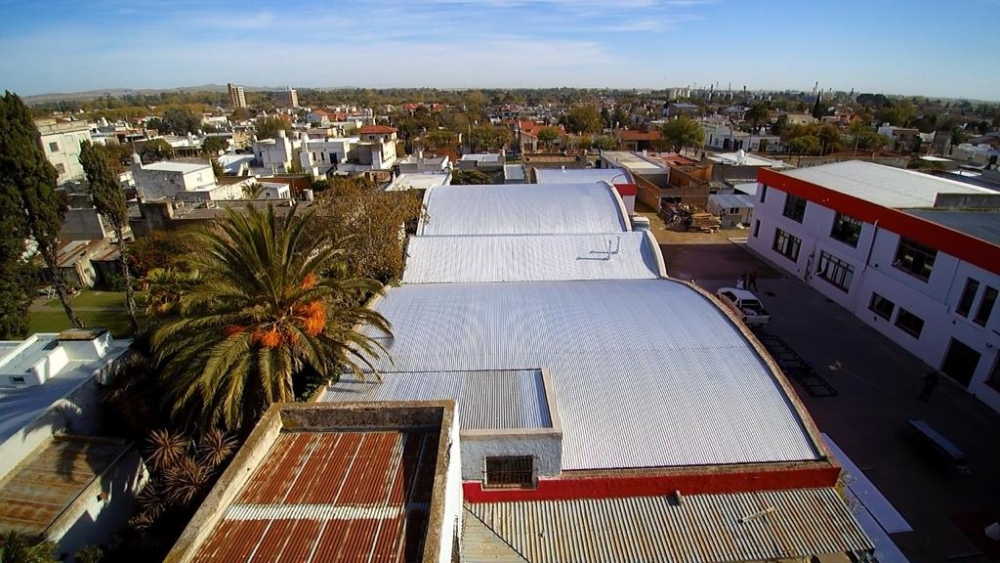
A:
(913, 255)
(61, 144)
(189, 181)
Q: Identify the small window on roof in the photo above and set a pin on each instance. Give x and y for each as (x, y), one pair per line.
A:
(510, 472)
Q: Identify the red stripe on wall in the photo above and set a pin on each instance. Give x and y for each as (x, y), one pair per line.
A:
(658, 485)
(960, 245)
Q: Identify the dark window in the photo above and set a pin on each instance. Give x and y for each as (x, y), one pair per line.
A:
(986, 306)
(53, 147)
(915, 259)
(881, 306)
(835, 271)
(61, 168)
(795, 208)
(513, 471)
(994, 378)
(16, 379)
(968, 296)
(960, 363)
(909, 323)
(756, 228)
(763, 192)
(846, 229)
(787, 244)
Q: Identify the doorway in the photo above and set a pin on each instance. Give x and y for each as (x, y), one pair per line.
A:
(960, 362)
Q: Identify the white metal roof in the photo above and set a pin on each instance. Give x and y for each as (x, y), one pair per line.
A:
(523, 209)
(492, 399)
(183, 167)
(531, 258)
(732, 200)
(761, 526)
(648, 373)
(744, 159)
(582, 176)
(884, 185)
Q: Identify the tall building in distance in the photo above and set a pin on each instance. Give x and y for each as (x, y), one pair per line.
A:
(236, 96)
(286, 98)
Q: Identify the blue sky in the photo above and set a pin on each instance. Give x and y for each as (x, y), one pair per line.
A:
(928, 47)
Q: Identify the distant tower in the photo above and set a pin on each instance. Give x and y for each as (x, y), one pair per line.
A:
(237, 98)
(815, 88)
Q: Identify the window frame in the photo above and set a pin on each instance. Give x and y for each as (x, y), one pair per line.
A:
(984, 311)
(792, 209)
(763, 192)
(53, 146)
(790, 240)
(843, 271)
(993, 379)
(918, 250)
(836, 231)
(967, 297)
(518, 477)
(898, 323)
(756, 228)
(873, 306)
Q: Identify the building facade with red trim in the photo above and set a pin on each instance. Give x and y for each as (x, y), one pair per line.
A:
(915, 256)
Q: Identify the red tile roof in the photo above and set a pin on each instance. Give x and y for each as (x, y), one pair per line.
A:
(376, 129)
(332, 496)
(626, 135)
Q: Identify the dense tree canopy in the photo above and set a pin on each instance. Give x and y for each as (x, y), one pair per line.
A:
(178, 121)
(268, 127)
(683, 132)
(583, 118)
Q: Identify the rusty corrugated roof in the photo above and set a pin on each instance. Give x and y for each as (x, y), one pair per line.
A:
(37, 492)
(331, 496)
(761, 526)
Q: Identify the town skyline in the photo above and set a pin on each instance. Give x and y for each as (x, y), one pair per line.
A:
(456, 44)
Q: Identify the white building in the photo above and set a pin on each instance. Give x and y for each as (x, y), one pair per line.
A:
(915, 256)
(419, 181)
(59, 480)
(325, 153)
(276, 154)
(61, 143)
(181, 180)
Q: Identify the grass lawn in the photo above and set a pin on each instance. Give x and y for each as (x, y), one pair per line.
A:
(91, 298)
(55, 321)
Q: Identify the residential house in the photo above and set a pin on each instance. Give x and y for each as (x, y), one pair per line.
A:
(60, 142)
(190, 181)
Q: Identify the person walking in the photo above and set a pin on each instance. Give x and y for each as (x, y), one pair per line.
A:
(931, 381)
(752, 281)
(743, 280)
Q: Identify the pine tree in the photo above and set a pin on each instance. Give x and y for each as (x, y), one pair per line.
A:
(15, 290)
(24, 170)
(818, 111)
(102, 168)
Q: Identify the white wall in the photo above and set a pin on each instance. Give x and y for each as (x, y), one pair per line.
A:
(933, 300)
(67, 154)
(451, 523)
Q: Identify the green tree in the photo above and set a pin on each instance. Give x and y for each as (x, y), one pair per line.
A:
(266, 313)
(604, 142)
(683, 132)
(16, 548)
(155, 150)
(16, 289)
(805, 144)
(547, 135)
(469, 177)
(367, 223)
(958, 136)
(102, 169)
(162, 250)
(239, 114)
(179, 121)
(212, 146)
(583, 118)
(489, 138)
(829, 137)
(758, 114)
(25, 171)
(268, 127)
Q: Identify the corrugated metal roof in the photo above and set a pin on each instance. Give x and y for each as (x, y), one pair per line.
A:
(760, 526)
(492, 399)
(728, 201)
(331, 496)
(984, 225)
(647, 373)
(41, 489)
(883, 185)
(582, 176)
(530, 258)
(522, 209)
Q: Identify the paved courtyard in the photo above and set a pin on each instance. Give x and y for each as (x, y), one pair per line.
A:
(878, 383)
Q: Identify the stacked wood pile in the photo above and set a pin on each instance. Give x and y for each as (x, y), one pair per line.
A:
(704, 222)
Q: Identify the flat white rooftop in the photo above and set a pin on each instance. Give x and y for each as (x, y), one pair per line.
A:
(884, 185)
(633, 162)
(736, 159)
(183, 167)
(419, 181)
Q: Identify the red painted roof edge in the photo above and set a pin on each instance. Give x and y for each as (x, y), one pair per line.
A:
(627, 189)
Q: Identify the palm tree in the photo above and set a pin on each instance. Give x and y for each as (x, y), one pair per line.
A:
(261, 316)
